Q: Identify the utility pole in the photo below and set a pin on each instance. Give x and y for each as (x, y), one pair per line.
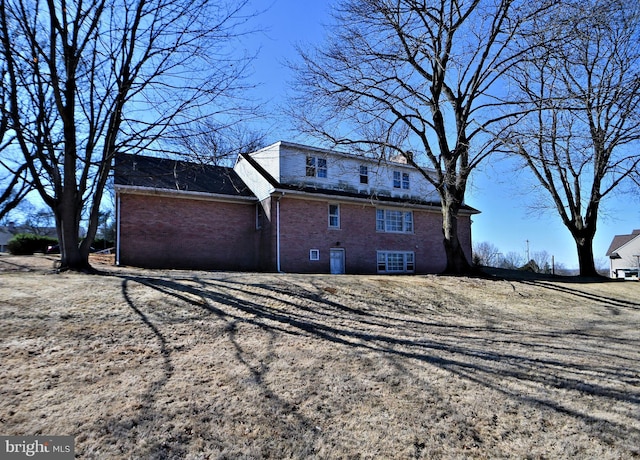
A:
(528, 259)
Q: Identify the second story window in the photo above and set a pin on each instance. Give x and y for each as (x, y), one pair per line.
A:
(334, 216)
(392, 221)
(401, 180)
(316, 167)
(364, 174)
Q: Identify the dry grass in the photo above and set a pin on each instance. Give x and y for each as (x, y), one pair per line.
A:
(177, 364)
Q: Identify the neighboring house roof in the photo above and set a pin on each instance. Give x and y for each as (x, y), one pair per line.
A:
(168, 174)
(340, 193)
(12, 230)
(619, 241)
(5, 236)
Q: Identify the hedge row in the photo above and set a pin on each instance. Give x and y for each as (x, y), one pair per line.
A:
(26, 244)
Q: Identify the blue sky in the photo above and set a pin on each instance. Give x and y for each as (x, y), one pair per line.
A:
(507, 219)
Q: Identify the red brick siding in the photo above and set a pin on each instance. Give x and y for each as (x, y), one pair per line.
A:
(304, 226)
(267, 238)
(186, 233)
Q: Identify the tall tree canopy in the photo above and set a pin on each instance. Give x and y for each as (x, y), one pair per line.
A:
(418, 79)
(579, 92)
(84, 80)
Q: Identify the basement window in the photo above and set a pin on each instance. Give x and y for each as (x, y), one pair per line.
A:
(396, 262)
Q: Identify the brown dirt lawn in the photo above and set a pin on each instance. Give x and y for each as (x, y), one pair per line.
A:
(178, 364)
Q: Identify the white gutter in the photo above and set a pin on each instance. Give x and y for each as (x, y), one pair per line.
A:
(278, 233)
(137, 190)
(301, 194)
(118, 229)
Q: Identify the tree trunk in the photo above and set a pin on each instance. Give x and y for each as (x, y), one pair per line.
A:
(68, 225)
(584, 245)
(457, 263)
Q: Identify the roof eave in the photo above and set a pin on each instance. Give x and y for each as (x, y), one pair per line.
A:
(138, 190)
(372, 200)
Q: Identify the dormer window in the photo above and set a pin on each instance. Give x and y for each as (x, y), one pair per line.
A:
(316, 167)
(401, 180)
(364, 174)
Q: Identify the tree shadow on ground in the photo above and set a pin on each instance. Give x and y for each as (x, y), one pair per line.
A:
(525, 275)
(531, 365)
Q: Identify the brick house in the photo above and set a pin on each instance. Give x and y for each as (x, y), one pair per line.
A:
(287, 207)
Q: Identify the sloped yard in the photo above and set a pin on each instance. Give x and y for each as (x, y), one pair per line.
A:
(178, 364)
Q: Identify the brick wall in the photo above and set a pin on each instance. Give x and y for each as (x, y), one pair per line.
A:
(162, 232)
(464, 235)
(304, 226)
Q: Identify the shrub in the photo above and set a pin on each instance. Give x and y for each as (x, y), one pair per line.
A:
(101, 243)
(26, 244)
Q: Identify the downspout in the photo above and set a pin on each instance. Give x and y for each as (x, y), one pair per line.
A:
(278, 233)
(118, 229)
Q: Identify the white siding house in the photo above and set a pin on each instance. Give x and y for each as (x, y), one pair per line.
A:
(304, 166)
(624, 256)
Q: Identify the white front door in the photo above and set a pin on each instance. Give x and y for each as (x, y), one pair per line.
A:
(336, 260)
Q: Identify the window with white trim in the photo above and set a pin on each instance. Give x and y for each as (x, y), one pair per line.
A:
(314, 254)
(396, 262)
(364, 174)
(393, 221)
(401, 180)
(316, 167)
(334, 216)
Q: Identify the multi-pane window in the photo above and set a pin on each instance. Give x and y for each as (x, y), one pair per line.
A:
(322, 167)
(389, 220)
(396, 262)
(401, 180)
(364, 174)
(316, 167)
(314, 254)
(334, 216)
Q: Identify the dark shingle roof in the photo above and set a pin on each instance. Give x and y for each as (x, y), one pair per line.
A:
(167, 174)
(621, 240)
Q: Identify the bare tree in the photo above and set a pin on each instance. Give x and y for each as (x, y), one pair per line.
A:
(418, 79)
(209, 142)
(486, 254)
(38, 221)
(85, 80)
(542, 260)
(512, 260)
(580, 91)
